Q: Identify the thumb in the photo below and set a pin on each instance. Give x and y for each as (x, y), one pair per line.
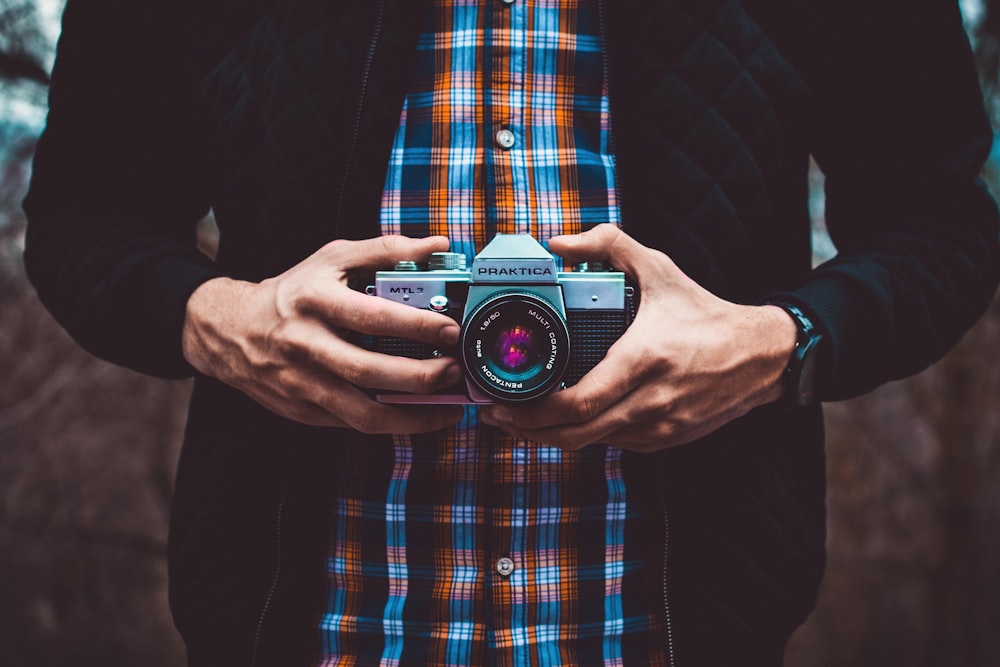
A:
(592, 245)
(385, 251)
(603, 243)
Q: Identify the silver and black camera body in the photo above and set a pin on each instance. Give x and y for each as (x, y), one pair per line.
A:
(526, 329)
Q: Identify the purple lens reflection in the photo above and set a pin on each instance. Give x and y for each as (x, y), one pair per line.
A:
(515, 349)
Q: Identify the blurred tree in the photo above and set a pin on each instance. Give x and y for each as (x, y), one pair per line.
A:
(987, 38)
(87, 450)
(23, 43)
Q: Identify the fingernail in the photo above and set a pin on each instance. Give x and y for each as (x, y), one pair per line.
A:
(449, 335)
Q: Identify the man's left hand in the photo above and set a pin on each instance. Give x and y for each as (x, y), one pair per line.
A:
(689, 363)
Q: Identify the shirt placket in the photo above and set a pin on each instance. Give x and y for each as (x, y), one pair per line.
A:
(506, 178)
(506, 569)
(508, 135)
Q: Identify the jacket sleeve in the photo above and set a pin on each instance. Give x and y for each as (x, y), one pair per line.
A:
(119, 183)
(901, 135)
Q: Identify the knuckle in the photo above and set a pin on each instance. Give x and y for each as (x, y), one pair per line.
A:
(389, 245)
(426, 379)
(302, 298)
(336, 245)
(607, 234)
(334, 250)
(423, 328)
(655, 365)
(663, 398)
(363, 314)
(586, 408)
(609, 231)
(352, 371)
(432, 422)
(286, 344)
(663, 431)
(287, 383)
(365, 421)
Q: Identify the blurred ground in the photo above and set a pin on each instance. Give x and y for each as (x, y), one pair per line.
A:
(914, 520)
(87, 454)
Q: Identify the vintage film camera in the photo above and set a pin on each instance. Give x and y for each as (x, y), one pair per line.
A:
(526, 328)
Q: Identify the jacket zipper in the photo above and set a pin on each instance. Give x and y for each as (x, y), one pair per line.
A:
(603, 20)
(606, 66)
(272, 589)
(359, 111)
(355, 137)
(671, 659)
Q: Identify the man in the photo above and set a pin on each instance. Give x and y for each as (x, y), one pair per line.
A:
(668, 138)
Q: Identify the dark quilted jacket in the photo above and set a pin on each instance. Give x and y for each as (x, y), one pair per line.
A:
(279, 115)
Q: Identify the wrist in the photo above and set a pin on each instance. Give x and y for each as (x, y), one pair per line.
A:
(209, 305)
(779, 335)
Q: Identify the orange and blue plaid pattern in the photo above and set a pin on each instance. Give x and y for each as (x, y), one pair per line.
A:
(506, 128)
(470, 547)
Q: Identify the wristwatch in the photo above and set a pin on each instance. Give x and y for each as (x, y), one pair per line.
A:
(800, 374)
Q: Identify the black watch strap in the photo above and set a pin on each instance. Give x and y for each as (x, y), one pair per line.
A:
(801, 371)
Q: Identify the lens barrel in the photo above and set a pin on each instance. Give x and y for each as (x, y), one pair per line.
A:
(515, 346)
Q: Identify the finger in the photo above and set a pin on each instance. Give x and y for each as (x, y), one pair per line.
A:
(651, 437)
(310, 348)
(290, 394)
(655, 420)
(309, 414)
(601, 388)
(364, 414)
(384, 251)
(331, 402)
(600, 243)
(607, 243)
(642, 421)
(372, 370)
(382, 317)
(566, 436)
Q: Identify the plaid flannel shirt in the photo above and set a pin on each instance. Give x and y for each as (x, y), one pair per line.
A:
(470, 547)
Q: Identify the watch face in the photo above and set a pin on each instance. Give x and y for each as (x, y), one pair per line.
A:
(801, 371)
(807, 373)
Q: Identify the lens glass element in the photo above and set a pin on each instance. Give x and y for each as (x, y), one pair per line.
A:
(516, 349)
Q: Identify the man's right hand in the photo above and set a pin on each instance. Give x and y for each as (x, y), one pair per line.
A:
(284, 341)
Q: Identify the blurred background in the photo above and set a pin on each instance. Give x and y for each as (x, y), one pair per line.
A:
(87, 456)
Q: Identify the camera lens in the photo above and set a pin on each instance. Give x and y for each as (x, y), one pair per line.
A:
(515, 346)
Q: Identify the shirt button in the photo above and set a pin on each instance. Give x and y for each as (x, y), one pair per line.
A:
(505, 139)
(509, 2)
(505, 566)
